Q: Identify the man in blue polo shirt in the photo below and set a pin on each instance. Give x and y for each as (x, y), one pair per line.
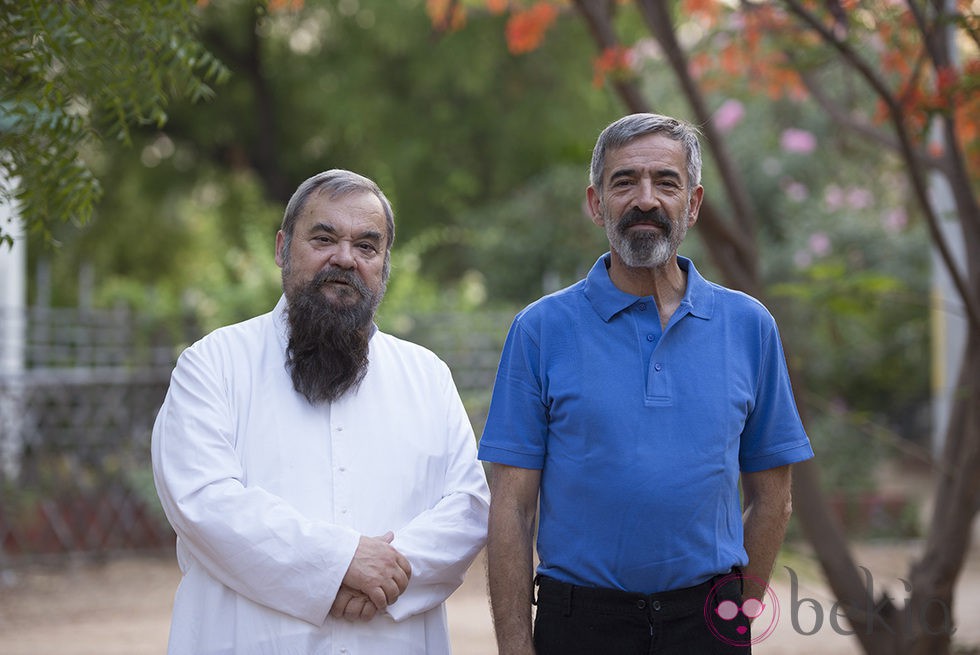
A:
(631, 404)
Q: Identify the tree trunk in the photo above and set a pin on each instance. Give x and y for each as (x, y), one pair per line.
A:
(933, 577)
(923, 626)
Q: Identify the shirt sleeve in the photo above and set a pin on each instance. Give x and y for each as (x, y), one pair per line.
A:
(442, 542)
(516, 429)
(773, 434)
(247, 538)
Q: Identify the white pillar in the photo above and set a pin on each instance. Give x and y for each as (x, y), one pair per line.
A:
(948, 315)
(13, 334)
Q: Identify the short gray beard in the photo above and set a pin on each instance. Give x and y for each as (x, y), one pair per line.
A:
(644, 250)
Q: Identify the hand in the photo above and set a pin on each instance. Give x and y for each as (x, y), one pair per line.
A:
(352, 605)
(378, 570)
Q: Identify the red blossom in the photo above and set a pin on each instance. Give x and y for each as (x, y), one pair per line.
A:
(446, 14)
(614, 61)
(526, 28)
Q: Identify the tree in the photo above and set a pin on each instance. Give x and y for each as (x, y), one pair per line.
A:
(885, 72)
(322, 84)
(76, 73)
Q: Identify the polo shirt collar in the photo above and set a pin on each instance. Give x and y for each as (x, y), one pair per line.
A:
(608, 300)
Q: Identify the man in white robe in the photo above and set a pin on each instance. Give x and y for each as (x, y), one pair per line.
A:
(321, 475)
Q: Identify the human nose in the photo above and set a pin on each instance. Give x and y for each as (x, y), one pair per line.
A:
(343, 256)
(646, 196)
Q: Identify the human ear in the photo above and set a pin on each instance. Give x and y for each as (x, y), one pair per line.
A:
(595, 205)
(280, 255)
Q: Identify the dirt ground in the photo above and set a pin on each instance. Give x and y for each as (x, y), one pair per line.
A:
(122, 606)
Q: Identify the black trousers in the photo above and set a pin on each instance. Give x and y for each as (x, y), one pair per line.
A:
(573, 620)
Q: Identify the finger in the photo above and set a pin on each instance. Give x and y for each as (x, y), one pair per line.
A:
(368, 612)
(387, 537)
(378, 597)
(392, 591)
(400, 582)
(352, 612)
(401, 576)
(404, 564)
(340, 603)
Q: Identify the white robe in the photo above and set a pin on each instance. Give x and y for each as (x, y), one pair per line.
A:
(269, 495)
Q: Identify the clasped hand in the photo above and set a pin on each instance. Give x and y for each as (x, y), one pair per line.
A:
(376, 577)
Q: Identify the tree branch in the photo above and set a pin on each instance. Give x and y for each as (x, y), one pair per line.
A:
(742, 235)
(732, 250)
(597, 15)
(853, 124)
(906, 148)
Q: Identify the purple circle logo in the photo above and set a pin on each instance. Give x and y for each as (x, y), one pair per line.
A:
(730, 622)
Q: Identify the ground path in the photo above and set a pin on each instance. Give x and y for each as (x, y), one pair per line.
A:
(122, 606)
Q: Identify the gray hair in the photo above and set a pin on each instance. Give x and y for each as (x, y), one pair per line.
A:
(627, 128)
(337, 183)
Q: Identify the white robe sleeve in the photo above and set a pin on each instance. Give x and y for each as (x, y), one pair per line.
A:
(247, 538)
(442, 542)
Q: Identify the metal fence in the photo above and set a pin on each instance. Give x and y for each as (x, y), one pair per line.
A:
(77, 409)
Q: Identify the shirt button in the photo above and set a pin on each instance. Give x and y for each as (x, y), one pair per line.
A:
(650, 337)
(640, 604)
(658, 367)
(642, 306)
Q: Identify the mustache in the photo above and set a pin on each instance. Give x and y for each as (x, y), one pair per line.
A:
(340, 275)
(636, 216)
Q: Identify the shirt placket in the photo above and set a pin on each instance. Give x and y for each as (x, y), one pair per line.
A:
(343, 508)
(341, 460)
(650, 335)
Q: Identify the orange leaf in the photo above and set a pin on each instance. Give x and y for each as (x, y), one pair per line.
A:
(284, 5)
(446, 14)
(497, 6)
(614, 61)
(525, 28)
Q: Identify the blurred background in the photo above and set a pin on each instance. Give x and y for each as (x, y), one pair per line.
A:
(148, 150)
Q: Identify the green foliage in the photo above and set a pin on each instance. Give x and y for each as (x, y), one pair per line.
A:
(222, 273)
(78, 72)
(537, 240)
(447, 125)
(485, 157)
(847, 455)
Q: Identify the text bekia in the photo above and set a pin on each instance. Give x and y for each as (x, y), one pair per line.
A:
(871, 610)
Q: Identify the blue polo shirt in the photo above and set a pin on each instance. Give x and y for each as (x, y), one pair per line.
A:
(640, 433)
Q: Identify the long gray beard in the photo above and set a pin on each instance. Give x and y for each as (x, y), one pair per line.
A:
(327, 354)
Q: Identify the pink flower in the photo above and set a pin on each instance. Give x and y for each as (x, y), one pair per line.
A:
(802, 259)
(819, 244)
(858, 198)
(833, 195)
(895, 220)
(798, 141)
(796, 191)
(729, 115)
